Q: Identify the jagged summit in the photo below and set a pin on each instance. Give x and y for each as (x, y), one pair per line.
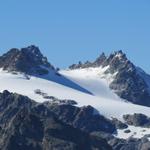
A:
(28, 60)
(99, 61)
(117, 57)
(129, 82)
(120, 55)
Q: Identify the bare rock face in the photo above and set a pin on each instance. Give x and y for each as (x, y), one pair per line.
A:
(83, 118)
(137, 120)
(119, 124)
(27, 125)
(27, 60)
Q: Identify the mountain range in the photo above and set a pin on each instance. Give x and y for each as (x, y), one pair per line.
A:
(99, 105)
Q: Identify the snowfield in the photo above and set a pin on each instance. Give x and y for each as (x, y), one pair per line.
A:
(78, 85)
(94, 80)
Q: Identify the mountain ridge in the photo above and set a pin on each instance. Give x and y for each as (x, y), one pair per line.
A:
(99, 98)
(128, 83)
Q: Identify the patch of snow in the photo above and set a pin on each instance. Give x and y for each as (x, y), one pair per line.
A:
(136, 132)
(119, 55)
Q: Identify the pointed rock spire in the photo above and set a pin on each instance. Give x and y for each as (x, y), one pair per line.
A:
(100, 59)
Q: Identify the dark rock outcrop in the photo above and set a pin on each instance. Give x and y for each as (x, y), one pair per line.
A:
(83, 118)
(25, 124)
(130, 144)
(27, 60)
(125, 144)
(137, 120)
(119, 124)
(98, 62)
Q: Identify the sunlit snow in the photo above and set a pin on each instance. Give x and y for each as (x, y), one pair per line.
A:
(103, 99)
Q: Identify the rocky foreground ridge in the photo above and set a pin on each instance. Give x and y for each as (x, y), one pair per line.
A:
(26, 124)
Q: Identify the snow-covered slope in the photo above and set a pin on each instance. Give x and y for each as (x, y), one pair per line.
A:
(94, 80)
(109, 105)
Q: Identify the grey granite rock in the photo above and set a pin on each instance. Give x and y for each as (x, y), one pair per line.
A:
(137, 120)
(27, 60)
(85, 118)
(27, 125)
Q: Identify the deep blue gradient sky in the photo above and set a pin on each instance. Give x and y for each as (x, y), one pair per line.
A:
(71, 30)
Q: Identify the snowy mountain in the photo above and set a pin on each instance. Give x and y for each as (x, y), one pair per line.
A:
(104, 92)
(129, 82)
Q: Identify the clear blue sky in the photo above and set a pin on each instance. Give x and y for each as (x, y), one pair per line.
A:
(71, 30)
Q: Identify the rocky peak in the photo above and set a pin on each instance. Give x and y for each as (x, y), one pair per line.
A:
(36, 56)
(115, 60)
(119, 55)
(100, 60)
(28, 60)
(127, 82)
(118, 61)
